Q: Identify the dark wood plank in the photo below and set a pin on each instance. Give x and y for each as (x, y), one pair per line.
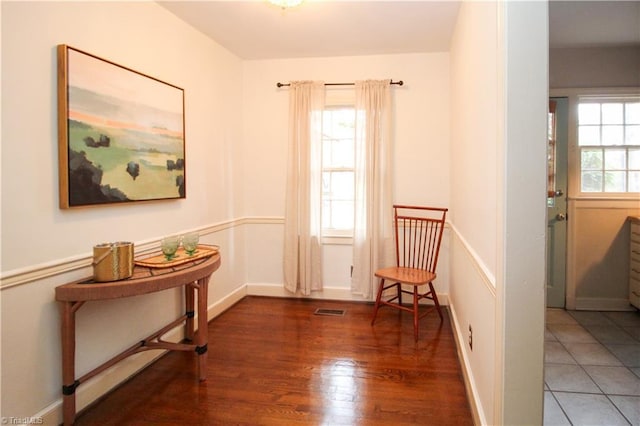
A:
(273, 362)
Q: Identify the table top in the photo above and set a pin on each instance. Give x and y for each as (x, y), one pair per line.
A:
(144, 280)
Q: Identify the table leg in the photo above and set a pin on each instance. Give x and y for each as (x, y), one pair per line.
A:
(69, 383)
(189, 310)
(203, 332)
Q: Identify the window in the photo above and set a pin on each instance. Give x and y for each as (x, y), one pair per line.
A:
(551, 154)
(338, 178)
(609, 145)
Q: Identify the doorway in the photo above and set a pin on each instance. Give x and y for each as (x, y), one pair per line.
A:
(557, 202)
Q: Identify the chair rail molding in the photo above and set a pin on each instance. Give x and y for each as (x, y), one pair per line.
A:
(42, 271)
(487, 277)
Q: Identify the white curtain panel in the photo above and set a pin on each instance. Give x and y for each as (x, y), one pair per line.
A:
(373, 236)
(302, 221)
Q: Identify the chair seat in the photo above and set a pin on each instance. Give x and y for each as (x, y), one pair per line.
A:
(409, 276)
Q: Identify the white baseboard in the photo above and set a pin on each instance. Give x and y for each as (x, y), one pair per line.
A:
(479, 417)
(278, 290)
(328, 293)
(602, 304)
(122, 371)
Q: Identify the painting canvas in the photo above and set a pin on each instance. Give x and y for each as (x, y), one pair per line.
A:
(121, 133)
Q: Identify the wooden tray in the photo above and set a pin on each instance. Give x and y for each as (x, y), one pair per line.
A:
(181, 257)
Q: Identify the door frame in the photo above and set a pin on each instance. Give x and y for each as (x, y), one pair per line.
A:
(573, 184)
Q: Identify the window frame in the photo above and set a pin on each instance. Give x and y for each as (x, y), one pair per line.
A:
(573, 170)
(602, 97)
(337, 99)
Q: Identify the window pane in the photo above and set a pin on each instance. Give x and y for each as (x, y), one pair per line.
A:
(326, 151)
(615, 182)
(634, 181)
(326, 184)
(632, 135)
(634, 159)
(339, 123)
(342, 185)
(589, 114)
(612, 135)
(591, 182)
(337, 168)
(591, 159)
(615, 159)
(612, 114)
(632, 113)
(609, 140)
(589, 135)
(326, 217)
(342, 153)
(342, 214)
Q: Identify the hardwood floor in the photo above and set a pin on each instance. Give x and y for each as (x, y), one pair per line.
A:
(273, 362)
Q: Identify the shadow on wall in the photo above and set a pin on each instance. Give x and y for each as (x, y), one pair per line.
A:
(606, 279)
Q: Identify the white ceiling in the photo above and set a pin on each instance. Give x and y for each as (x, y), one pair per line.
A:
(259, 30)
(255, 29)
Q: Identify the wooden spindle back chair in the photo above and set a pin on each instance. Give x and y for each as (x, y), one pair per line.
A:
(418, 235)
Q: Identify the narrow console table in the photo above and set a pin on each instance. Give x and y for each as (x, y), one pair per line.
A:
(194, 276)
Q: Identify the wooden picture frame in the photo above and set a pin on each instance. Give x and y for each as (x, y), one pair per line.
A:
(120, 133)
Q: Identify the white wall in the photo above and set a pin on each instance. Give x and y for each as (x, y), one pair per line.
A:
(421, 153)
(600, 254)
(522, 236)
(474, 139)
(615, 66)
(498, 109)
(36, 234)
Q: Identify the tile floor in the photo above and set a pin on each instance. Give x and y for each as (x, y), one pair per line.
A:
(592, 368)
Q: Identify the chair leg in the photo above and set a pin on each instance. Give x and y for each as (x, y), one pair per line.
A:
(399, 290)
(378, 297)
(435, 300)
(416, 315)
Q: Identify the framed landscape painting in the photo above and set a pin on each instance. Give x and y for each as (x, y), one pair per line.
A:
(120, 133)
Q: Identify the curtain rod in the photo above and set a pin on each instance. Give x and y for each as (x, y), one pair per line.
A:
(399, 83)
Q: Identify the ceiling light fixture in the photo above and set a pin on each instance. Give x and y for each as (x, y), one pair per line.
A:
(286, 3)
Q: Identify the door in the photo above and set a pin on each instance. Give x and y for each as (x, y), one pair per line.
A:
(557, 202)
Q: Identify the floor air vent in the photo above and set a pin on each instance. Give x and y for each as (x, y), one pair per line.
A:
(329, 312)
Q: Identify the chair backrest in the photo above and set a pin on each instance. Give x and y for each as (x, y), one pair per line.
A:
(418, 234)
